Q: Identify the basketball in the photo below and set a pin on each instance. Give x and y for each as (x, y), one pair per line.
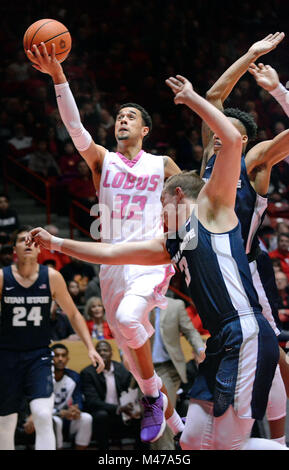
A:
(48, 31)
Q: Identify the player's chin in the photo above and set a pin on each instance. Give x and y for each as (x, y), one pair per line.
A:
(122, 137)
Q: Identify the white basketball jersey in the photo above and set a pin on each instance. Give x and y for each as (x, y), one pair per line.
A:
(129, 197)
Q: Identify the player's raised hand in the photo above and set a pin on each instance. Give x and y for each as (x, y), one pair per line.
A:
(181, 87)
(265, 76)
(42, 61)
(267, 44)
(39, 237)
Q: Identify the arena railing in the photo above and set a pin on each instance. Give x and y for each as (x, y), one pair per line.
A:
(35, 185)
(76, 206)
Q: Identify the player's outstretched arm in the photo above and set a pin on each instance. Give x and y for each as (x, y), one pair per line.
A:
(148, 253)
(220, 91)
(89, 150)
(222, 185)
(64, 300)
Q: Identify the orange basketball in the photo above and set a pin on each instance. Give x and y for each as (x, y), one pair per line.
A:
(48, 31)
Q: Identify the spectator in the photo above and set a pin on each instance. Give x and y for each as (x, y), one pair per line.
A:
(9, 220)
(102, 394)
(6, 255)
(168, 357)
(283, 300)
(20, 144)
(282, 252)
(60, 258)
(68, 417)
(79, 271)
(94, 312)
(60, 325)
(276, 262)
(74, 290)
(82, 188)
(68, 161)
(93, 287)
(41, 161)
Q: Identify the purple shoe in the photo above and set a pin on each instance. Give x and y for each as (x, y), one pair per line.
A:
(153, 422)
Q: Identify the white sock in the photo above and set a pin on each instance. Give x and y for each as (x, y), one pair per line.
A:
(42, 409)
(7, 430)
(281, 440)
(150, 387)
(175, 423)
(254, 443)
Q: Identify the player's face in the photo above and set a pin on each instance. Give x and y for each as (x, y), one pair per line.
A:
(24, 252)
(170, 210)
(129, 125)
(60, 358)
(238, 125)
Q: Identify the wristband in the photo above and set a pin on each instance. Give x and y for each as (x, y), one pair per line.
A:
(56, 243)
(281, 94)
(279, 90)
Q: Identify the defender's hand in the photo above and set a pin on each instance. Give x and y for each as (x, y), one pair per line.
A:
(181, 87)
(265, 76)
(267, 44)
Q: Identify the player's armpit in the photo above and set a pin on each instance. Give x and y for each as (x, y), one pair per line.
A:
(268, 152)
(171, 168)
(94, 156)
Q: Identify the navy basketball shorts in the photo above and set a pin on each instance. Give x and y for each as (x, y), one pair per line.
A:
(239, 368)
(24, 375)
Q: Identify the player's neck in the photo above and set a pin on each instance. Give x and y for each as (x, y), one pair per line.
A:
(58, 374)
(27, 268)
(129, 150)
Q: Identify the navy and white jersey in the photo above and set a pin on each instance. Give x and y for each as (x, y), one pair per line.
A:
(25, 312)
(217, 272)
(67, 391)
(250, 207)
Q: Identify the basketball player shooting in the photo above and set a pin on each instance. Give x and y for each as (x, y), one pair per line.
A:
(205, 243)
(129, 185)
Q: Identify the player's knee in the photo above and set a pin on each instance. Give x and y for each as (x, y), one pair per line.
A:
(42, 416)
(124, 322)
(86, 419)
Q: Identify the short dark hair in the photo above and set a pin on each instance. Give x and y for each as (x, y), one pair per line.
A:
(144, 114)
(190, 182)
(59, 346)
(246, 119)
(282, 234)
(102, 341)
(5, 195)
(22, 228)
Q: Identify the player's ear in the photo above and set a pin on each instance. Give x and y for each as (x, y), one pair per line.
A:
(179, 193)
(244, 139)
(145, 131)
